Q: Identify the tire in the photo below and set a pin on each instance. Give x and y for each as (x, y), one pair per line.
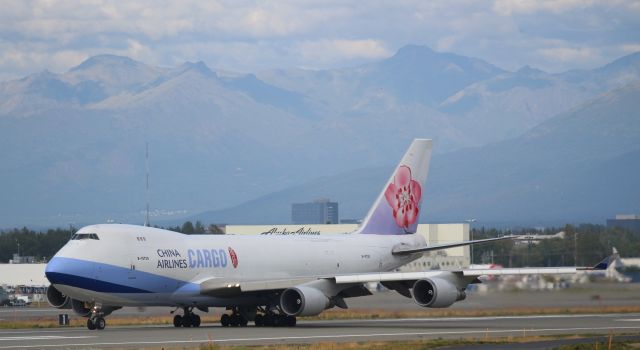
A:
(259, 320)
(187, 321)
(196, 320)
(243, 321)
(225, 320)
(235, 321)
(177, 321)
(100, 323)
(291, 321)
(90, 325)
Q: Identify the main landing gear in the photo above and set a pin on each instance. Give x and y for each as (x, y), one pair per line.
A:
(189, 319)
(262, 317)
(271, 319)
(236, 319)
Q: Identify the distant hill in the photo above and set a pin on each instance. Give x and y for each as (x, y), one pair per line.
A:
(74, 141)
(582, 165)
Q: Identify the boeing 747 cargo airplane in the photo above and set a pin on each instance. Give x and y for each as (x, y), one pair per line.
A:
(268, 280)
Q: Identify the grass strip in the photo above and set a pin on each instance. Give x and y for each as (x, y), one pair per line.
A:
(360, 314)
(429, 344)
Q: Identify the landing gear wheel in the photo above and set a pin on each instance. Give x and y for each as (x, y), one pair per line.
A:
(243, 322)
(269, 320)
(100, 323)
(186, 321)
(90, 325)
(177, 321)
(259, 320)
(196, 320)
(225, 320)
(275, 320)
(234, 320)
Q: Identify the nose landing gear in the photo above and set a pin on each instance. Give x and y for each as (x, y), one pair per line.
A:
(96, 319)
(96, 323)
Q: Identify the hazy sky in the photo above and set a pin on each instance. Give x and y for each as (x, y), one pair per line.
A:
(250, 36)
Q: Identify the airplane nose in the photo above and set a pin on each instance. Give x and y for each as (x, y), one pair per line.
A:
(71, 272)
(56, 270)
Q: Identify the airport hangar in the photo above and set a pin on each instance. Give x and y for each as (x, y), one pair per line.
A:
(28, 278)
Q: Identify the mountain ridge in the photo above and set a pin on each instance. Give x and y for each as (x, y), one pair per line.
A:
(218, 139)
(455, 194)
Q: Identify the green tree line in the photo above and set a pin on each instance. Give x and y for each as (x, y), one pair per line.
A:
(582, 245)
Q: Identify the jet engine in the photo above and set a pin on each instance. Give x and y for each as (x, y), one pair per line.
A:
(436, 292)
(80, 307)
(303, 301)
(57, 299)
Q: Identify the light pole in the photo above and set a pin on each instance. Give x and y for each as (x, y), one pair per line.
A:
(575, 248)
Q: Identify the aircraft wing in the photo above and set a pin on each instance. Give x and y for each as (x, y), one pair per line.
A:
(221, 288)
(218, 288)
(405, 249)
(413, 276)
(471, 273)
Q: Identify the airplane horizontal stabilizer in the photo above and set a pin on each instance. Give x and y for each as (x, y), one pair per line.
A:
(404, 249)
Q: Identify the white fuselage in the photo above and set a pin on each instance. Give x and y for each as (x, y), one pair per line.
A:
(132, 265)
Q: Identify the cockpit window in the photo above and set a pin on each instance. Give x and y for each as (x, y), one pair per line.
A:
(78, 236)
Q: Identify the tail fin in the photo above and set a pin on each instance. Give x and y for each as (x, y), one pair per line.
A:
(397, 209)
(606, 264)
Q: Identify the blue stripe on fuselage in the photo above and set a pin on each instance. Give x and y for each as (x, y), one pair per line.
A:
(108, 278)
(91, 284)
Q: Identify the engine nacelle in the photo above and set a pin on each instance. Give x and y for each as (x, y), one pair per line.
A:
(436, 292)
(80, 307)
(303, 301)
(58, 300)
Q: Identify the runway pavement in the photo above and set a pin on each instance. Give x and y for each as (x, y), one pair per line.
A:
(351, 330)
(322, 331)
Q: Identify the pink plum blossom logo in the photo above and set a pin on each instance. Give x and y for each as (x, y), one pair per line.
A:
(234, 257)
(403, 195)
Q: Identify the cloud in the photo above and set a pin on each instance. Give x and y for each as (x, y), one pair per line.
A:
(630, 48)
(510, 7)
(570, 54)
(329, 51)
(253, 35)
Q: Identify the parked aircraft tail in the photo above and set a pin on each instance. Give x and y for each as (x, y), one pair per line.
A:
(398, 207)
(606, 264)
